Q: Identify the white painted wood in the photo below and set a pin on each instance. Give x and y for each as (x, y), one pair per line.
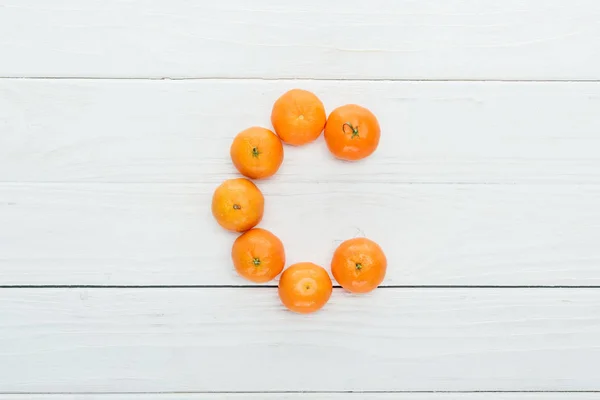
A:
(162, 340)
(311, 396)
(440, 39)
(107, 182)
(164, 234)
(165, 131)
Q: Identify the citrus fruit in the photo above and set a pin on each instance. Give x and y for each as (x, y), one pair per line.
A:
(256, 152)
(304, 287)
(352, 132)
(298, 117)
(238, 204)
(258, 255)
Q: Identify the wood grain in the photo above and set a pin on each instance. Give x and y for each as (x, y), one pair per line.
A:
(165, 131)
(162, 340)
(164, 234)
(366, 39)
(488, 176)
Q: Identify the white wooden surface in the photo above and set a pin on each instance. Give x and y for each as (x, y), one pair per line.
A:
(310, 396)
(165, 340)
(165, 131)
(390, 39)
(74, 153)
(488, 176)
(164, 234)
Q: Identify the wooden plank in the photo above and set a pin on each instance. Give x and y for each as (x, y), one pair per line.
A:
(180, 131)
(241, 339)
(311, 396)
(381, 39)
(164, 234)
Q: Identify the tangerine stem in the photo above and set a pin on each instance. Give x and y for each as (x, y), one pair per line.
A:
(354, 129)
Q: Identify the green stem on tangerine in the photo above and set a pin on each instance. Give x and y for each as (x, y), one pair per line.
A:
(359, 266)
(354, 129)
(255, 152)
(256, 262)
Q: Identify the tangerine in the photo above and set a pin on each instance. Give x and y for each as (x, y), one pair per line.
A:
(304, 287)
(352, 132)
(298, 117)
(238, 204)
(258, 255)
(256, 152)
(359, 265)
